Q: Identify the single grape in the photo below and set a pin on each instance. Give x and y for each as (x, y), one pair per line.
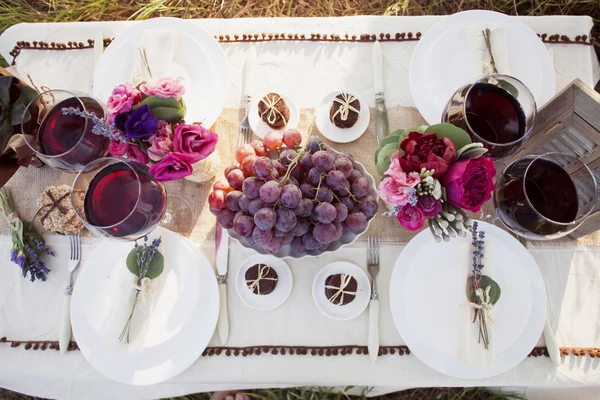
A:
(270, 192)
(320, 250)
(360, 187)
(222, 184)
(302, 226)
(356, 221)
(344, 165)
(325, 194)
(325, 213)
(259, 147)
(335, 179)
(265, 218)
(248, 164)
(324, 233)
(289, 181)
(236, 179)
(244, 151)
(255, 205)
(287, 156)
(341, 212)
(309, 242)
(229, 169)
(292, 138)
(314, 144)
(368, 206)
(273, 245)
(243, 224)
(308, 191)
(348, 202)
(232, 200)
(355, 175)
(250, 240)
(291, 196)
(297, 172)
(261, 236)
(262, 167)
(225, 218)
(306, 162)
(273, 140)
(314, 176)
(245, 203)
(287, 239)
(279, 167)
(298, 246)
(348, 156)
(251, 187)
(286, 219)
(216, 201)
(278, 233)
(339, 229)
(344, 190)
(304, 208)
(323, 161)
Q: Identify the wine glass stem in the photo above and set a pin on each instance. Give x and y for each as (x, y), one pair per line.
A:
(167, 218)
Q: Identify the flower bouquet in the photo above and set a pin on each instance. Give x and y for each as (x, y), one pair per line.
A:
(147, 125)
(434, 173)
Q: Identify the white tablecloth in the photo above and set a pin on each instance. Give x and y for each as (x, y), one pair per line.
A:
(31, 311)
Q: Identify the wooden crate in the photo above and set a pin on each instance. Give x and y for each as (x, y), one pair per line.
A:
(569, 123)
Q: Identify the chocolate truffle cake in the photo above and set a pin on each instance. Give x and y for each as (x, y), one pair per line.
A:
(340, 289)
(261, 279)
(273, 111)
(344, 111)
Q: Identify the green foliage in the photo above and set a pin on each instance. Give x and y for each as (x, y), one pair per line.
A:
(168, 109)
(156, 265)
(472, 150)
(12, 114)
(459, 137)
(485, 281)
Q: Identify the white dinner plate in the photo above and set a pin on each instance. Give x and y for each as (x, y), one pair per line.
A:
(440, 63)
(169, 331)
(341, 135)
(268, 301)
(198, 59)
(260, 128)
(430, 310)
(347, 311)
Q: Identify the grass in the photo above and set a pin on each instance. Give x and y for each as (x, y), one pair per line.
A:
(17, 11)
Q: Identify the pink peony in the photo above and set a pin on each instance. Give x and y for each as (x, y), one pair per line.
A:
(137, 154)
(411, 218)
(117, 148)
(194, 140)
(469, 183)
(172, 167)
(394, 187)
(425, 150)
(164, 88)
(122, 99)
(161, 142)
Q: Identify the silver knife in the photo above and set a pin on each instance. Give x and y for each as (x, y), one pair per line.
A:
(222, 261)
(97, 51)
(381, 117)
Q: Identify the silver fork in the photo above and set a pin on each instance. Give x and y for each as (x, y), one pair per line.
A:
(373, 267)
(64, 335)
(245, 132)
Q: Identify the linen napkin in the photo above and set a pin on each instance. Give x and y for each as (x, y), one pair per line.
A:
(156, 48)
(479, 54)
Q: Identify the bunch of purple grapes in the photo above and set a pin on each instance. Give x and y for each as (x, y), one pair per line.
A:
(306, 197)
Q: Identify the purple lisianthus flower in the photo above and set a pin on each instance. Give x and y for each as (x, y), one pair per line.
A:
(172, 167)
(18, 257)
(430, 206)
(121, 119)
(141, 123)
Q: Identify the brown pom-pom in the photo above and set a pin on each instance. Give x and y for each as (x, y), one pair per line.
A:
(565, 38)
(544, 35)
(387, 35)
(403, 35)
(584, 37)
(410, 35)
(28, 346)
(418, 35)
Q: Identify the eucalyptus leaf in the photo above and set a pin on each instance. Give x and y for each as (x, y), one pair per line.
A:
(473, 153)
(459, 137)
(397, 132)
(171, 115)
(5, 85)
(485, 281)
(156, 265)
(16, 114)
(509, 88)
(468, 147)
(383, 158)
(6, 131)
(385, 141)
(417, 128)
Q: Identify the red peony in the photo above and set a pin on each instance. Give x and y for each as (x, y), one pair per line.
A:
(469, 183)
(427, 151)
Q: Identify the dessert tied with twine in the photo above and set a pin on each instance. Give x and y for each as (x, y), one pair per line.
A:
(345, 110)
(273, 110)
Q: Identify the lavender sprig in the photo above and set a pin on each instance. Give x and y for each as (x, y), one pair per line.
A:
(101, 127)
(477, 243)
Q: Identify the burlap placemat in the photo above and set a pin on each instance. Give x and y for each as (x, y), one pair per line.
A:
(28, 183)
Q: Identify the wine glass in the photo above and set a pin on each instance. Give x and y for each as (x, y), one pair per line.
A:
(63, 139)
(544, 197)
(496, 110)
(121, 198)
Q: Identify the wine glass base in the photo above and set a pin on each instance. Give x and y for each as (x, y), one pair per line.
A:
(179, 216)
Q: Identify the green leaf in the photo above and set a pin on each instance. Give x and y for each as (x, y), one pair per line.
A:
(468, 147)
(418, 128)
(6, 131)
(171, 115)
(385, 141)
(485, 281)
(459, 137)
(167, 109)
(473, 153)
(5, 85)
(156, 265)
(383, 161)
(509, 88)
(397, 132)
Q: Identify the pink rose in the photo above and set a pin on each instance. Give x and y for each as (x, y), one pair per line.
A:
(164, 88)
(425, 150)
(411, 218)
(117, 148)
(194, 140)
(469, 183)
(122, 99)
(137, 154)
(172, 167)
(394, 188)
(161, 142)
(429, 206)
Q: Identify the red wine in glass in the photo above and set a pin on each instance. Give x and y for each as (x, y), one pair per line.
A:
(124, 201)
(538, 201)
(67, 141)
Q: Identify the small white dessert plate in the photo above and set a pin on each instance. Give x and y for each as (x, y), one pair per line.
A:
(268, 301)
(260, 128)
(341, 135)
(347, 311)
